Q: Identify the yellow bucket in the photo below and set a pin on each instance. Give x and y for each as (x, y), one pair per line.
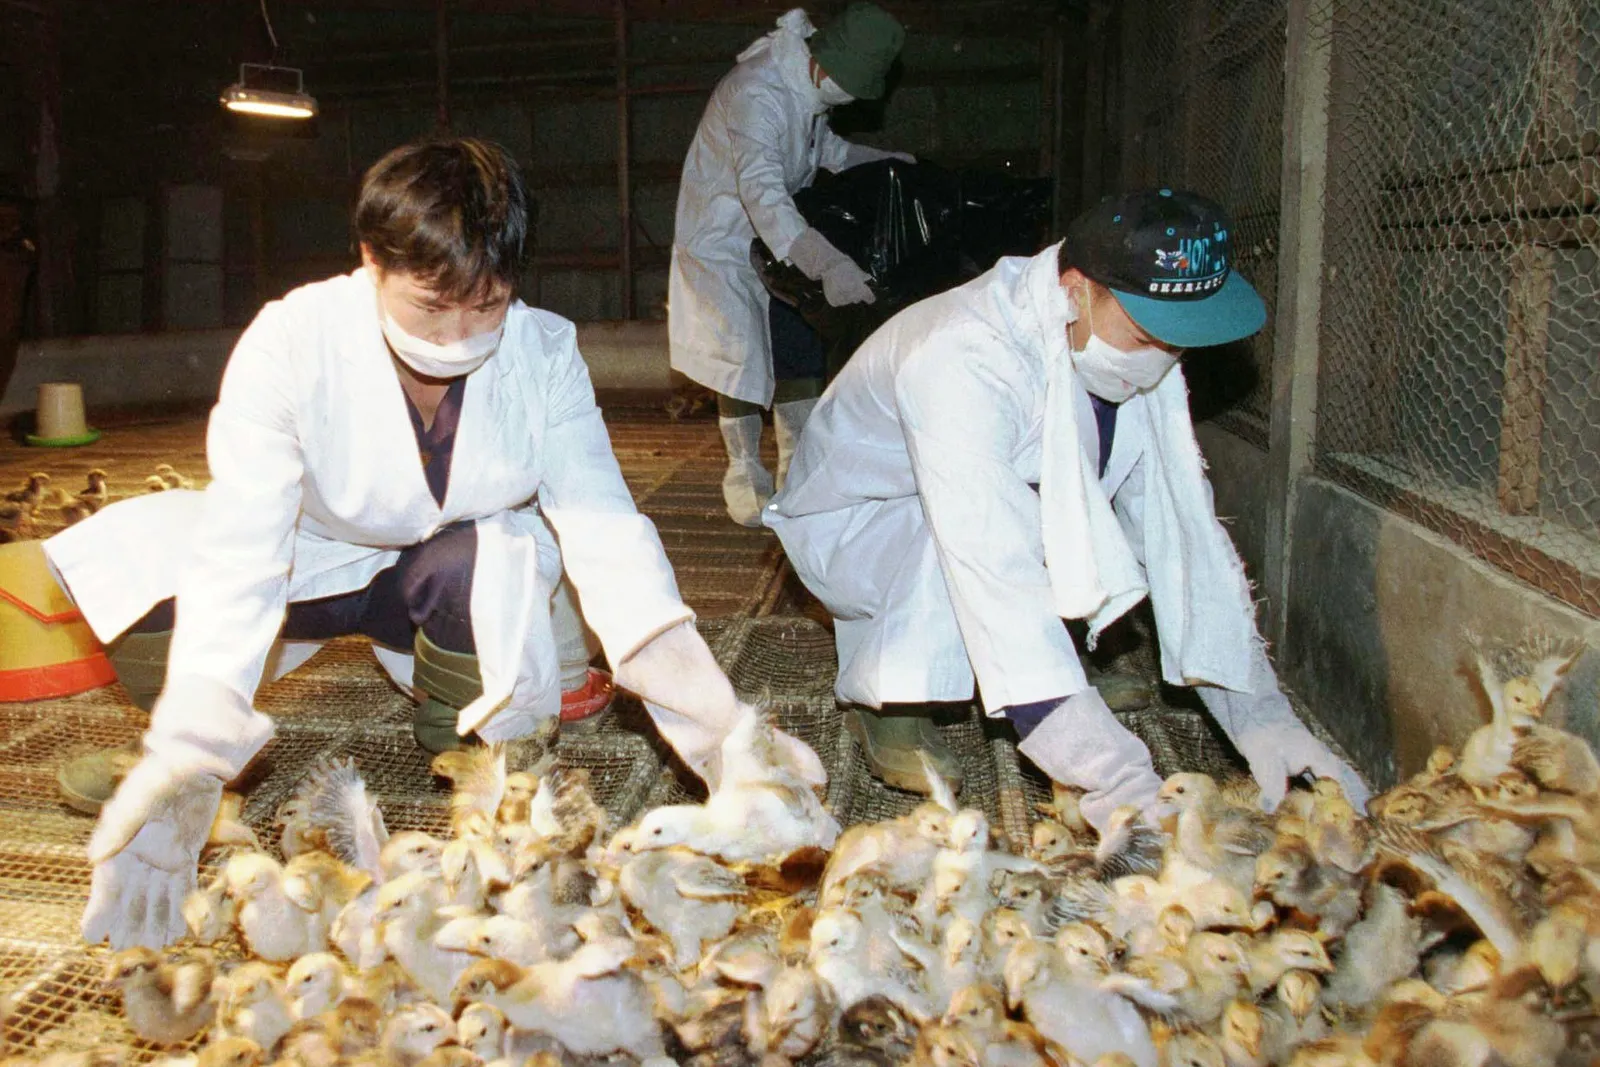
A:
(46, 649)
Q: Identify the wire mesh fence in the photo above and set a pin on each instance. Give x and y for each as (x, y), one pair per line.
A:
(1459, 380)
(1204, 109)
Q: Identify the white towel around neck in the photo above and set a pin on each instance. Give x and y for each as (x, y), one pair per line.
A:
(1205, 617)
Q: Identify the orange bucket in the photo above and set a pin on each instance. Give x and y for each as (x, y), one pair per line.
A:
(46, 649)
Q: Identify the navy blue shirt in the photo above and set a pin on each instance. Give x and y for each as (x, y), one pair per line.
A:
(437, 443)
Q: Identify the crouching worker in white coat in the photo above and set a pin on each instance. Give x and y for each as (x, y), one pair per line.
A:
(911, 509)
(339, 504)
(762, 138)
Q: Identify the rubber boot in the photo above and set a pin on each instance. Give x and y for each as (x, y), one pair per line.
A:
(747, 486)
(140, 660)
(446, 683)
(891, 741)
(788, 419)
(1121, 690)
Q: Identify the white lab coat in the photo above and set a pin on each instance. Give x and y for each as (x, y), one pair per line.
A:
(910, 509)
(761, 139)
(317, 484)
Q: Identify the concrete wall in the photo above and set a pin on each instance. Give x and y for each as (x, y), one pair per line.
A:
(131, 370)
(1376, 610)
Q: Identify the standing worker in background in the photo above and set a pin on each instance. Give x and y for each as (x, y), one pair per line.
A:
(761, 139)
(394, 453)
(1016, 452)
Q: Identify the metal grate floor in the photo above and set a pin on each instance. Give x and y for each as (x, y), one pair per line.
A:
(341, 703)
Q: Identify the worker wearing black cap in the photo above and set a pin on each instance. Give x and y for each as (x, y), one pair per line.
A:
(1016, 452)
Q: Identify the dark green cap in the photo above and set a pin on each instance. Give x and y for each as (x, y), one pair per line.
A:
(858, 48)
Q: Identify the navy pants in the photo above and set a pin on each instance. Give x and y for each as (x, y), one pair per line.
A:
(429, 588)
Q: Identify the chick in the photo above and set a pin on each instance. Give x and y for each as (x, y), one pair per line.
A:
(1382, 948)
(280, 917)
(231, 1052)
(981, 1009)
(1242, 1034)
(762, 809)
(171, 478)
(334, 801)
(165, 1003)
(412, 1033)
(154, 484)
(1213, 971)
(875, 1032)
(945, 1045)
(96, 492)
(316, 983)
(1285, 950)
(407, 915)
(1074, 1010)
(477, 778)
(860, 959)
(1217, 838)
(209, 912)
(689, 898)
(31, 495)
(1514, 704)
(471, 869)
(407, 851)
(1128, 845)
(251, 1003)
(1191, 1048)
(483, 1030)
(1291, 877)
(1293, 1017)
(901, 849)
(563, 814)
(586, 1002)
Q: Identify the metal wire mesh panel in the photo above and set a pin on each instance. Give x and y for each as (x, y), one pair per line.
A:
(1204, 107)
(1459, 383)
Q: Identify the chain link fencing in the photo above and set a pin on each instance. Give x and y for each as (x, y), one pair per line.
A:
(1460, 383)
(1459, 344)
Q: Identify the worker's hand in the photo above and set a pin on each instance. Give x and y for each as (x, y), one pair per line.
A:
(145, 852)
(842, 281)
(692, 702)
(846, 284)
(1274, 742)
(146, 848)
(1082, 744)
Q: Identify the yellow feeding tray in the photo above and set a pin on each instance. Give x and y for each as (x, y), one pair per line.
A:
(46, 649)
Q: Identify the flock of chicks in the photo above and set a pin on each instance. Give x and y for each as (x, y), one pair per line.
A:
(37, 502)
(1456, 924)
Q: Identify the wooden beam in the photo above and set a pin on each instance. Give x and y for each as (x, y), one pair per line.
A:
(1522, 398)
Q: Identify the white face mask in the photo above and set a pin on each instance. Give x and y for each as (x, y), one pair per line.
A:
(442, 361)
(830, 93)
(1113, 374)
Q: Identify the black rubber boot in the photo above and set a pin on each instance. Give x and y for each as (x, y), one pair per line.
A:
(891, 740)
(446, 682)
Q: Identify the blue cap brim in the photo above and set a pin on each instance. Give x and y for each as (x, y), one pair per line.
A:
(1232, 312)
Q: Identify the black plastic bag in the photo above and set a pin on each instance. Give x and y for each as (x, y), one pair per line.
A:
(915, 228)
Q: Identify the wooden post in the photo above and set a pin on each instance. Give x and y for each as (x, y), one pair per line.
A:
(1296, 343)
(624, 176)
(1522, 402)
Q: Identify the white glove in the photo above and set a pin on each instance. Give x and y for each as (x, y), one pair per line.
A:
(1270, 736)
(1082, 744)
(857, 154)
(146, 847)
(842, 281)
(693, 704)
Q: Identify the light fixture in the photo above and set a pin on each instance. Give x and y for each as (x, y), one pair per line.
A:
(268, 90)
(264, 90)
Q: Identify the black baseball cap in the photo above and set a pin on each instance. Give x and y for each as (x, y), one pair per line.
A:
(1167, 256)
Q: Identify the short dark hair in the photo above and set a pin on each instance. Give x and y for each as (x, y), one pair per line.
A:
(453, 212)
